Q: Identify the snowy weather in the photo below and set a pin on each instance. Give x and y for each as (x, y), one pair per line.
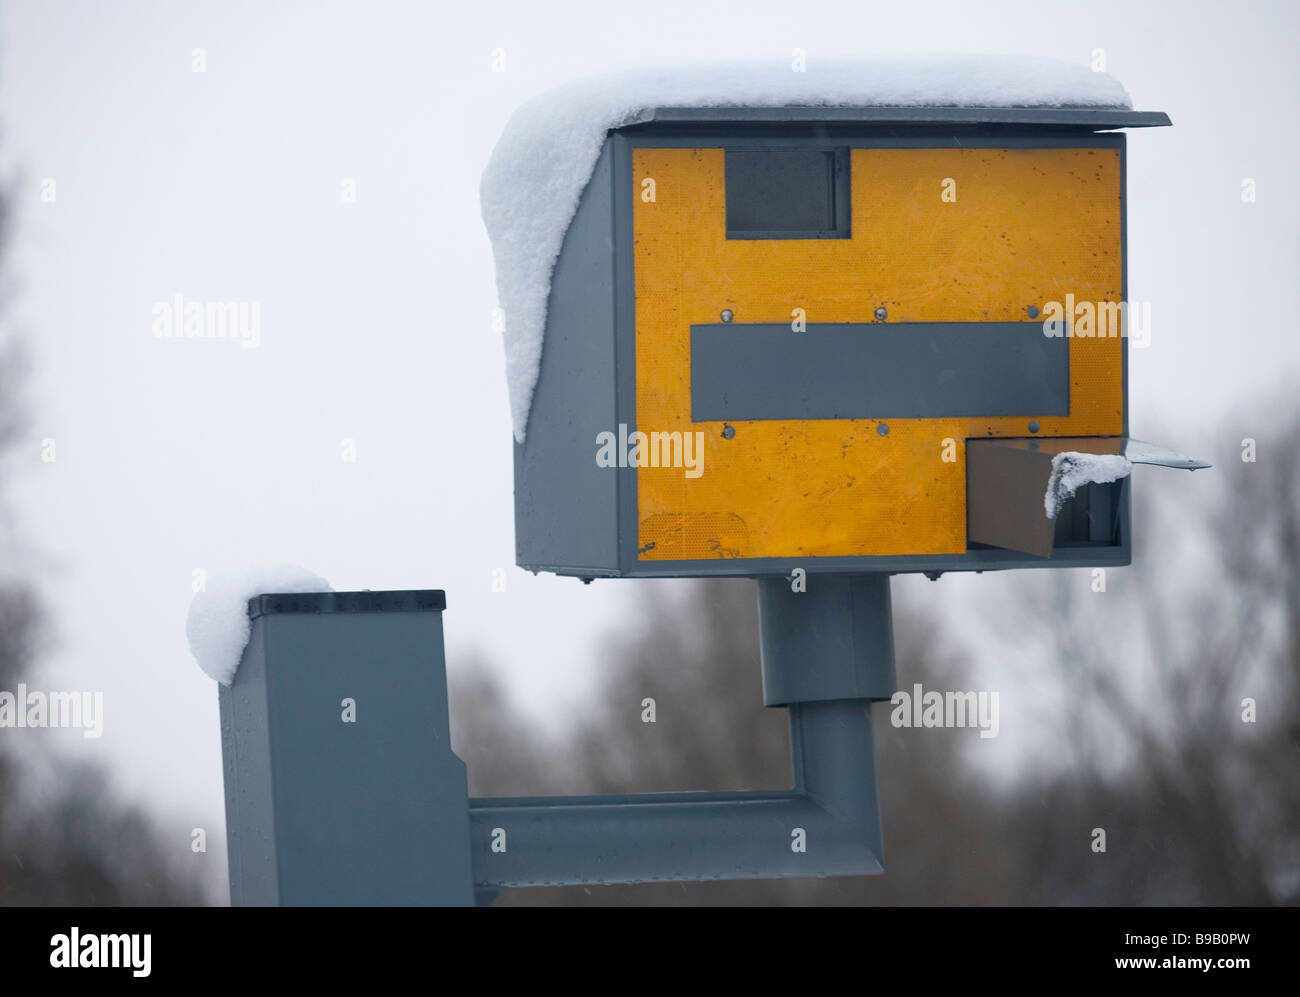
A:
(593, 455)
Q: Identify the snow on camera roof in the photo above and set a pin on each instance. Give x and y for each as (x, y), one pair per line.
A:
(544, 158)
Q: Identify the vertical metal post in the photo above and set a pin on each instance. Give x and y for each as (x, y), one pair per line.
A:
(833, 639)
(341, 785)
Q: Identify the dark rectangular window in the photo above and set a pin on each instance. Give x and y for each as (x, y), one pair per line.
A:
(787, 193)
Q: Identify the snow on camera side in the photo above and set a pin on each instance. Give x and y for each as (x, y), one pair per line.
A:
(549, 148)
(1072, 469)
(218, 626)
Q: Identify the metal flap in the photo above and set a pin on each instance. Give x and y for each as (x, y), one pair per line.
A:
(1148, 453)
(1007, 481)
(1005, 484)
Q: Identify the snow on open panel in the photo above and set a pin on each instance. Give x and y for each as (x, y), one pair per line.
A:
(1072, 470)
(546, 155)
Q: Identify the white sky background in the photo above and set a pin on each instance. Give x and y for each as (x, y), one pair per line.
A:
(183, 454)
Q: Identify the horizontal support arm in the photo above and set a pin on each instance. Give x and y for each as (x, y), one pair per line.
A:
(550, 841)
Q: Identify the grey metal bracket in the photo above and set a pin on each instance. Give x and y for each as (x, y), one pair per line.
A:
(321, 811)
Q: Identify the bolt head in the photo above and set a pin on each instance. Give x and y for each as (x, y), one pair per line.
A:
(727, 314)
(881, 314)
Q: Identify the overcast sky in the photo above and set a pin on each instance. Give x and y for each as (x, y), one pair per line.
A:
(176, 455)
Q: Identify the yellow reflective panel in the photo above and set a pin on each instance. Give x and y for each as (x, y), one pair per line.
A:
(1028, 227)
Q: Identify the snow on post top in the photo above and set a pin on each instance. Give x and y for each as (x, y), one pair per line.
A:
(546, 155)
(218, 627)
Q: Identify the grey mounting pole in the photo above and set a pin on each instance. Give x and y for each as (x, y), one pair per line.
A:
(293, 777)
(827, 653)
(341, 785)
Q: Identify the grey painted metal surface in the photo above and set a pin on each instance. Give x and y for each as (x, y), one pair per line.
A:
(671, 837)
(977, 558)
(788, 194)
(1137, 451)
(1094, 118)
(834, 640)
(1141, 452)
(1090, 517)
(321, 811)
(693, 836)
(877, 370)
(566, 505)
(251, 845)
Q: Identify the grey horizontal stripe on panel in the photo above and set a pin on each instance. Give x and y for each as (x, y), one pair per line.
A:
(877, 370)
